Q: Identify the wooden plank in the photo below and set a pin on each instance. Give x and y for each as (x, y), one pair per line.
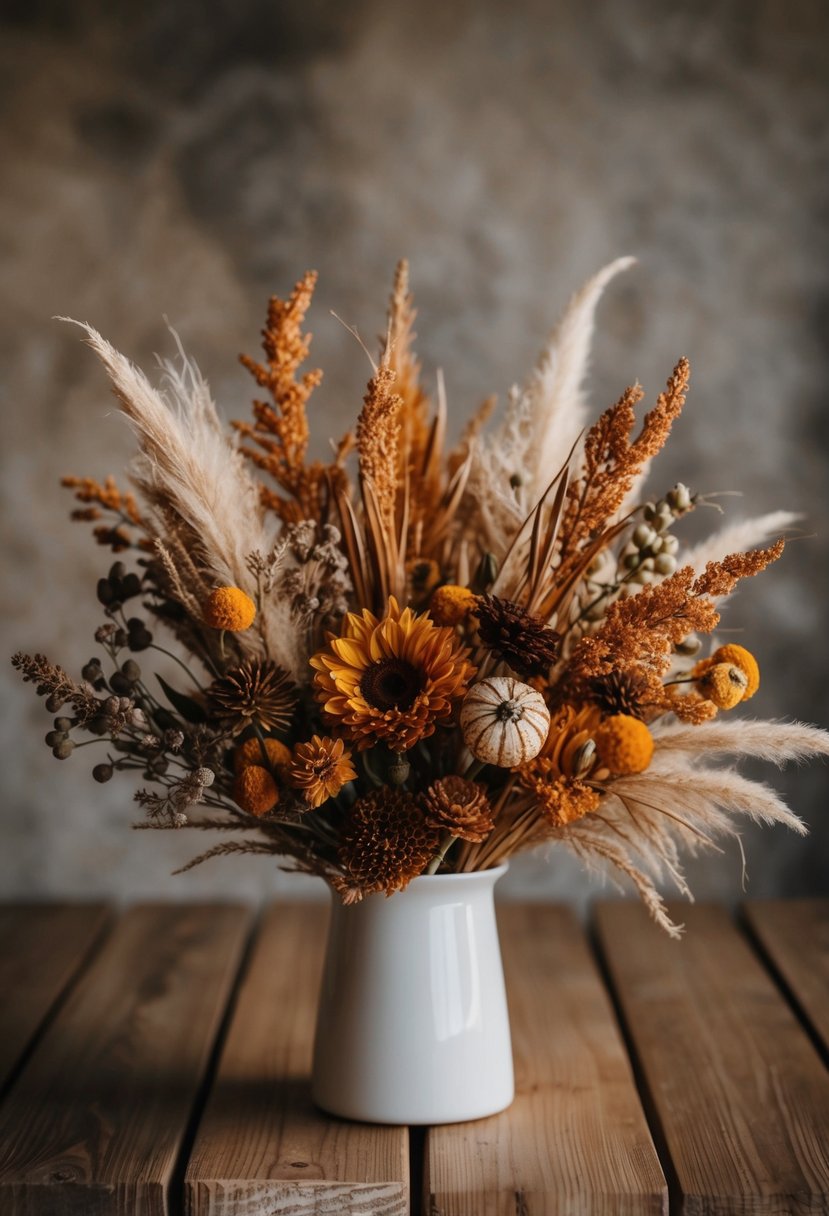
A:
(739, 1093)
(794, 934)
(262, 1146)
(42, 947)
(96, 1119)
(575, 1140)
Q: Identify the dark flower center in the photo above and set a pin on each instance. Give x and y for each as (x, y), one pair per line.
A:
(391, 684)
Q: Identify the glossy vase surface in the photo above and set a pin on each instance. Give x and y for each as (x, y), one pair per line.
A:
(413, 1024)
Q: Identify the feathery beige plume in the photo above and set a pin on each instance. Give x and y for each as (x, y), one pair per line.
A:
(737, 537)
(203, 500)
(774, 741)
(556, 412)
(511, 468)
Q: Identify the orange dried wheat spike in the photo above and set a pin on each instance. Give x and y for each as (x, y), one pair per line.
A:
(280, 430)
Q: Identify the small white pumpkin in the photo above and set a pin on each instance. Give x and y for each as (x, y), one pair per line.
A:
(504, 722)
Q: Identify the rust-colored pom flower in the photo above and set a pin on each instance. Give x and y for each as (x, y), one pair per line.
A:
(723, 683)
(515, 636)
(258, 692)
(250, 752)
(624, 745)
(229, 608)
(461, 807)
(320, 769)
(391, 680)
(386, 843)
(451, 604)
(255, 790)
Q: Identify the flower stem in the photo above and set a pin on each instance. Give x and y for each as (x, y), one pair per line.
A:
(176, 659)
(438, 859)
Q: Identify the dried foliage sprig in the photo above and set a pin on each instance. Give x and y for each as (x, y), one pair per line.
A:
(432, 660)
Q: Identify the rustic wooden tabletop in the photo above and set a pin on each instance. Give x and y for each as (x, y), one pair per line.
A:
(156, 1061)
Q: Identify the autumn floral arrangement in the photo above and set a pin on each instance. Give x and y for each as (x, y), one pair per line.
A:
(415, 658)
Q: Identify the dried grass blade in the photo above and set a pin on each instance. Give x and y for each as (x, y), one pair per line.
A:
(354, 548)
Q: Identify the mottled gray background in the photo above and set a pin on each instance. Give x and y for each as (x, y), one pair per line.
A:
(185, 160)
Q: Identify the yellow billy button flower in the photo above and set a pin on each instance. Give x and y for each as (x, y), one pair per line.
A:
(255, 790)
(745, 660)
(451, 604)
(250, 752)
(724, 684)
(229, 608)
(624, 745)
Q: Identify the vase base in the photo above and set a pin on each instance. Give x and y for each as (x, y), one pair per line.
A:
(409, 1116)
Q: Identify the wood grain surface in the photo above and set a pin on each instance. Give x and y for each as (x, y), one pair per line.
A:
(96, 1119)
(575, 1140)
(794, 934)
(42, 947)
(739, 1093)
(262, 1146)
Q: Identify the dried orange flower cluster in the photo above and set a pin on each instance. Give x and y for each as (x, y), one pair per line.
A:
(418, 660)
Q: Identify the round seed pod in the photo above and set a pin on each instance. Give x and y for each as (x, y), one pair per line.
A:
(63, 750)
(104, 591)
(54, 702)
(102, 773)
(131, 586)
(55, 737)
(504, 722)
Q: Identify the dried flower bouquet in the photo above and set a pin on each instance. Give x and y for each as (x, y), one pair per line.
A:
(436, 661)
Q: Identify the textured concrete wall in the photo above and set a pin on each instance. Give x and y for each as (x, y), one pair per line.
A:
(186, 159)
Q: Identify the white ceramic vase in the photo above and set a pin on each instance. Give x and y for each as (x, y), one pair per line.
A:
(413, 1024)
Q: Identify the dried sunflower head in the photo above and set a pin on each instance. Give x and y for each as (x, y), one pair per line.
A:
(461, 807)
(386, 843)
(258, 693)
(391, 680)
(516, 637)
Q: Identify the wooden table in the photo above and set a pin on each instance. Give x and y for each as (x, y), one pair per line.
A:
(156, 1061)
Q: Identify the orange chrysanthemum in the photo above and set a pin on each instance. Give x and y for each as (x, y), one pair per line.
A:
(561, 800)
(320, 769)
(558, 775)
(569, 746)
(391, 680)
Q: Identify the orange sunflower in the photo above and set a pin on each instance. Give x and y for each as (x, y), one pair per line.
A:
(392, 680)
